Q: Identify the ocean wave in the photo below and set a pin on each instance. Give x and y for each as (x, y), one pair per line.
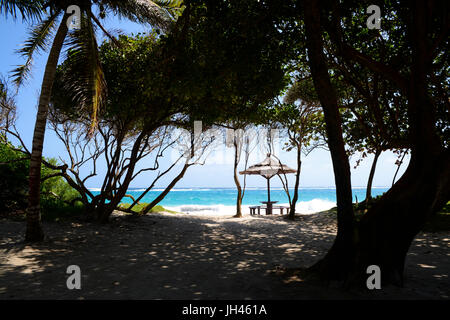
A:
(206, 210)
(314, 205)
(302, 207)
(173, 190)
(158, 189)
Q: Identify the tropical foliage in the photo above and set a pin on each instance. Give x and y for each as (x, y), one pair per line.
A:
(227, 63)
(91, 90)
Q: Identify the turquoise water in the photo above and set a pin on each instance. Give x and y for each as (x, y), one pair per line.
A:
(224, 199)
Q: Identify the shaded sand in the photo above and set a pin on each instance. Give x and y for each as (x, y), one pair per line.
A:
(167, 256)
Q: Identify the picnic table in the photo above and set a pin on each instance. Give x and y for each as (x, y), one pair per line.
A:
(268, 207)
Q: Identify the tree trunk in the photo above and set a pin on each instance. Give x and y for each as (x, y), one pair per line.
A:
(104, 210)
(371, 175)
(237, 182)
(338, 260)
(297, 182)
(388, 228)
(384, 234)
(162, 195)
(34, 230)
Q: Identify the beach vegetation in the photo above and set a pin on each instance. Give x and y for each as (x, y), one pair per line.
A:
(139, 208)
(158, 85)
(440, 221)
(407, 54)
(133, 127)
(226, 63)
(58, 198)
(50, 30)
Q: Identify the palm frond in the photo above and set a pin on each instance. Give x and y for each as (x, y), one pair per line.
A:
(29, 10)
(84, 78)
(173, 7)
(160, 14)
(38, 41)
(106, 32)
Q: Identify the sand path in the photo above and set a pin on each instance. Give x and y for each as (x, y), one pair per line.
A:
(167, 256)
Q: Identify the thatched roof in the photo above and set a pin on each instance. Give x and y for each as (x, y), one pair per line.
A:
(269, 167)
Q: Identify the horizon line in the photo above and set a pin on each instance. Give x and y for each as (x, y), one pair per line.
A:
(262, 187)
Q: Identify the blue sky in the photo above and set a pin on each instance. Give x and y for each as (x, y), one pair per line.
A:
(316, 169)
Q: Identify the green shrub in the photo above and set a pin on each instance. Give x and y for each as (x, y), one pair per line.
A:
(13, 179)
(56, 193)
(56, 186)
(440, 221)
(54, 210)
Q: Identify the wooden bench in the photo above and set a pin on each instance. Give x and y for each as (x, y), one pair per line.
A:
(281, 209)
(254, 208)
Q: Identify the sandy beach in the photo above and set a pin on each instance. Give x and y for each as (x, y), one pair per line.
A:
(181, 256)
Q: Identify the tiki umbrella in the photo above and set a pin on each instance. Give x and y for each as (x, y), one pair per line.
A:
(268, 168)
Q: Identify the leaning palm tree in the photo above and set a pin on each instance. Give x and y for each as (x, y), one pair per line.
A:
(90, 89)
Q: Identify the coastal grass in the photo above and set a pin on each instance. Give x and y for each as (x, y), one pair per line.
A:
(139, 207)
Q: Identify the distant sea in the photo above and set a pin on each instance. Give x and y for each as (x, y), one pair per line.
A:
(222, 201)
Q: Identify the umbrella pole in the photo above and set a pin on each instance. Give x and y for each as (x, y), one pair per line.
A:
(269, 204)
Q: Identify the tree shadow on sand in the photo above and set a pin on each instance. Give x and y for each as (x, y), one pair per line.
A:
(185, 257)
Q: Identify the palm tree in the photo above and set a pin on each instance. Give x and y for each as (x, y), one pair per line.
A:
(91, 87)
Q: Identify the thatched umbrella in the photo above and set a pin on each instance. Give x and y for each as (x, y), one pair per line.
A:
(268, 168)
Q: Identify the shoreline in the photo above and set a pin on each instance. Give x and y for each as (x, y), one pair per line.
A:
(302, 208)
(217, 201)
